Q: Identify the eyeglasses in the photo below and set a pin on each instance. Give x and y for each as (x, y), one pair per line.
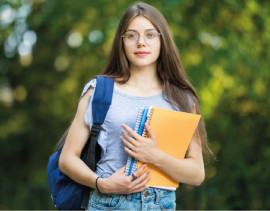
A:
(150, 37)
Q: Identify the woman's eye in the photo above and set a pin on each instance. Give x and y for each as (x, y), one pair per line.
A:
(131, 36)
(150, 35)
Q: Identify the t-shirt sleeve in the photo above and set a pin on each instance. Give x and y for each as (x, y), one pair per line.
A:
(88, 114)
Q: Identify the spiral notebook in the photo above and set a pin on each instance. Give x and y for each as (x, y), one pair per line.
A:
(173, 131)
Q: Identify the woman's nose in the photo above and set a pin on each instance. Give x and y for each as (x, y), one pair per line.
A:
(141, 40)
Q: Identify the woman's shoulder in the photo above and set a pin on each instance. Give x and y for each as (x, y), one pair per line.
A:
(91, 84)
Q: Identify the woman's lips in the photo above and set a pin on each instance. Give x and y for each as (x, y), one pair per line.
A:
(142, 53)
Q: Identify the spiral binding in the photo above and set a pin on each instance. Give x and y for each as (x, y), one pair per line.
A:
(149, 117)
(132, 163)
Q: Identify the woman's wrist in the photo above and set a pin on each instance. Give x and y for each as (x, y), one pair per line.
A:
(153, 158)
(97, 183)
(102, 185)
(158, 161)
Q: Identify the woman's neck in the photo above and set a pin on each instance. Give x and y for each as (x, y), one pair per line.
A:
(145, 77)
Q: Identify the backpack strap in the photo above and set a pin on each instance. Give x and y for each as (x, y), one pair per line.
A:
(100, 106)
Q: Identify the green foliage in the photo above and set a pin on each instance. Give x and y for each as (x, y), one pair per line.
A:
(224, 49)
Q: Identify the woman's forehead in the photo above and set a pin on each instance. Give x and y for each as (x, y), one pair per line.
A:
(140, 23)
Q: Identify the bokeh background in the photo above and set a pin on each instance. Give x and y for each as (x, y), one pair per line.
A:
(49, 49)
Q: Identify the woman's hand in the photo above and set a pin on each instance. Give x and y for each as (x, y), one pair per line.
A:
(141, 148)
(119, 183)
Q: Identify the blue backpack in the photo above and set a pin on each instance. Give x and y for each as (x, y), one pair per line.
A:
(66, 193)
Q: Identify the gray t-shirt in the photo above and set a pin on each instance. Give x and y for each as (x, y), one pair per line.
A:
(123, 110)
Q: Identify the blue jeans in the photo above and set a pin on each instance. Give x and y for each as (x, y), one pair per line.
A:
(150, 199)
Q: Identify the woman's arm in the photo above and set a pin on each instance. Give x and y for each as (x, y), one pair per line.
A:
(189, 170)
(71, 164)
(69, 161)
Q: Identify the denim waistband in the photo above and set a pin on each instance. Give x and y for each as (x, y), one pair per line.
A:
(149, 194)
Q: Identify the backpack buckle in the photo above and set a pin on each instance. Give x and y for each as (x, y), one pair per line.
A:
(95, 129)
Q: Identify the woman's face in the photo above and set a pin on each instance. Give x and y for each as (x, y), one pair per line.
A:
(141, 43)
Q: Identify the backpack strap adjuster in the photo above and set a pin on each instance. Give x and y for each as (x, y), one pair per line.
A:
(95, 129)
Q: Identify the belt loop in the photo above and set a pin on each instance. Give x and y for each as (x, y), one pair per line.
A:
(157, 195)
(128, 197)
(142, 199)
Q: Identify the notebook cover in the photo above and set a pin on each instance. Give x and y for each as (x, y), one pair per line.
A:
(173, 131)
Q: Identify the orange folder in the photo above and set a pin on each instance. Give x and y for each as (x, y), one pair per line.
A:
(173, 131)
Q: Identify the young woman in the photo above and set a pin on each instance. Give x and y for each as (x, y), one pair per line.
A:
(147, 70)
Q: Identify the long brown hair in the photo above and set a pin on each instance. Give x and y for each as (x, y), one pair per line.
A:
(176, 86)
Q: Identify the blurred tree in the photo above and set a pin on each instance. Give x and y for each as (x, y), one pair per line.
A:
(50, 49)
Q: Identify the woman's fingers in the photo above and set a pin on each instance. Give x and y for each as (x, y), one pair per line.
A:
(129, 147)
(127, 143)
(142, 177)
(140, 170)
(141, 189)
(127, 185)
(130, 152)
(150, 132)
(129, 138)
(130, 131)
(140, 184)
